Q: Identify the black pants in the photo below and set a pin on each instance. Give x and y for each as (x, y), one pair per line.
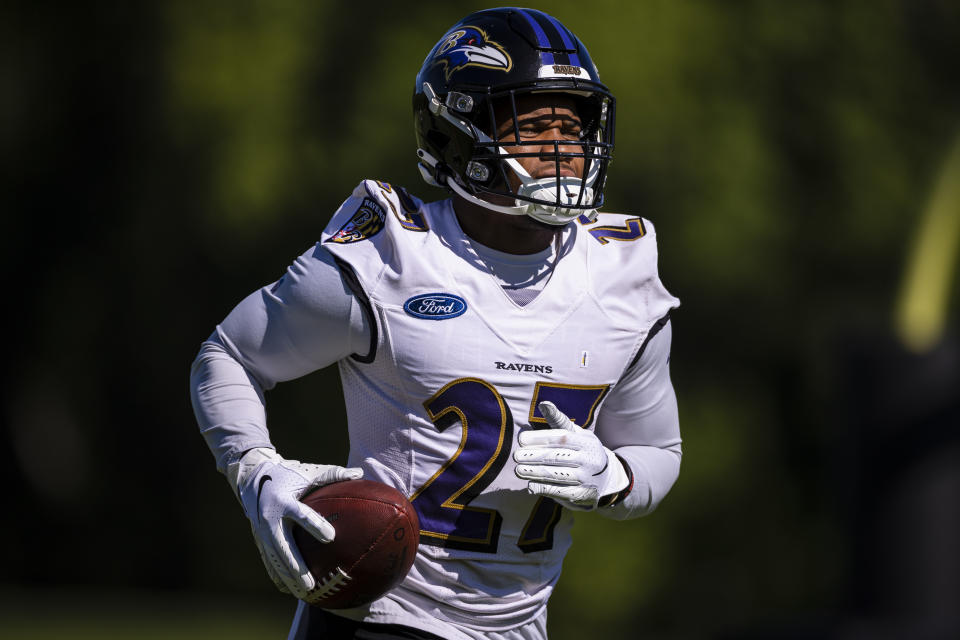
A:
(317, 624)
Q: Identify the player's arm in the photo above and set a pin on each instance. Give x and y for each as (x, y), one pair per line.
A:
(629, 463)
(640, 423)
(305, 321)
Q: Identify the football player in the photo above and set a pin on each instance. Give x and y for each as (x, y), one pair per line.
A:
(504, 352)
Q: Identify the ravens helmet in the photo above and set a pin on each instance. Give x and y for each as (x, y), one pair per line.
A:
(483, 65)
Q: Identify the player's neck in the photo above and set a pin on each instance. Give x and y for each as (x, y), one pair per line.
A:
(501, 231)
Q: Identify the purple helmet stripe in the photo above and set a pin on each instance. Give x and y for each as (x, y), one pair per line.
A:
(546, 57)
(564, 35)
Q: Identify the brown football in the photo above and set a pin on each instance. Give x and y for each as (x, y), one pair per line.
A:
(377, 536)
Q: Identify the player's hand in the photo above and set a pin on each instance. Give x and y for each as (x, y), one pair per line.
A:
(270, 488)
(568, 463)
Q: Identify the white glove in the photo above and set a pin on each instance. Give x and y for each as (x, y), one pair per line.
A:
(568, 463)
(270, 488)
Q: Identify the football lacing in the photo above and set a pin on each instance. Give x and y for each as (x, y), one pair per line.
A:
(332, 583)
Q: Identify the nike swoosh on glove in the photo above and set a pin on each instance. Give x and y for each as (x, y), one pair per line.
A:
(568, 463)
(269, 488)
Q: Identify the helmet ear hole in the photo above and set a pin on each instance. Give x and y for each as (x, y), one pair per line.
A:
(438, 140)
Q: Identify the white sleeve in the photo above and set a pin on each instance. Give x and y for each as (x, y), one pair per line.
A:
(305, 321)
(639, 422)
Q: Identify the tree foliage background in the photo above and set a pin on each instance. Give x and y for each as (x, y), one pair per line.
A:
(162, 160)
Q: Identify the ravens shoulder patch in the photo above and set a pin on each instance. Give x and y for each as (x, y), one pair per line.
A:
(366, 222)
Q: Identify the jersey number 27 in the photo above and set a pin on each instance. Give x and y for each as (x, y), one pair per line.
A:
(443, 502)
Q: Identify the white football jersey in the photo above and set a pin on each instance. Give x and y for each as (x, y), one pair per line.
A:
(455, 372)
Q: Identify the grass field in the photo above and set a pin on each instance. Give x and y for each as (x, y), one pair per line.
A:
(83, 615)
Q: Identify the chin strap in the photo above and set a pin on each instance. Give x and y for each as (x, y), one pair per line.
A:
(567, 190)
(557, 216)
(428, 169)
(499, 208)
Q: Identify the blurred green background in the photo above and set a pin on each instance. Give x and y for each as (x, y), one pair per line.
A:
(800, 160)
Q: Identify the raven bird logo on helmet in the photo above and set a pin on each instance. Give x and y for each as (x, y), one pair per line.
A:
(479, 68)
(470, 46)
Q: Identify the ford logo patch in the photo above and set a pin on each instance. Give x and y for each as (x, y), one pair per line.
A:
(435, 306)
